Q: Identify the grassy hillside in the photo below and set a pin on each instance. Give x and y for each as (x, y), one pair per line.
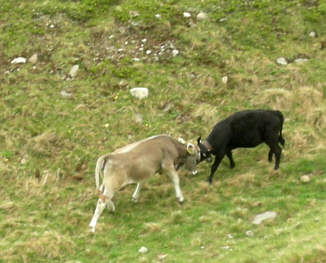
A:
(55, 124)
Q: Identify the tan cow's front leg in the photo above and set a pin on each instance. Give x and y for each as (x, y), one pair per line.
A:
(135, 195)
(172, 173)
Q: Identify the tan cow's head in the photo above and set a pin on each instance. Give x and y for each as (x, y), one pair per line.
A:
(192, 158)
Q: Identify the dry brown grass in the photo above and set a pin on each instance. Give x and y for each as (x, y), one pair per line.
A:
(241, 180)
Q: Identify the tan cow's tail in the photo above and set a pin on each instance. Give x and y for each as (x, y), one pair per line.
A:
(99, 171)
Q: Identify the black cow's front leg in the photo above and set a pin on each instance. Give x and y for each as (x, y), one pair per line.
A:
(218, 159)
(229, 155)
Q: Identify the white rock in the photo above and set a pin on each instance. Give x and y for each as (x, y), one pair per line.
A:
(312, 34)
(19, 60)
(139, 92)
(143, 250)
(202, 16)
(305, 178)
(281, 61)
(175, 52)
(300, 60)
(148, 52)
(223, 19)
(138, 118)
(136, 59)
(73, 71)
(225, 79)
(264, 216)
(65, 94)
(144, 40)
(229, 236)
(186, 14)
(226, 247)
(249, 233)
(158, 16)
(51, 26)
(33, 59)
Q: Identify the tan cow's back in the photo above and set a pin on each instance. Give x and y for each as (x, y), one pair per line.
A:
(141, 159)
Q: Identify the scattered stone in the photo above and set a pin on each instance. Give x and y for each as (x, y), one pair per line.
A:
(66, 94)
(305, 178)
(73, 71)
(52, 26)
(249, 233)
(19, 60)
(312, 34)
(226, 247)
(144, 40)
(158, 16)
(136, 59)
(138, 118)
(281, 61)
(264, 216)
(225, 79)
(229, 236)
(175, 52)
(143, 250)
(186, 14)
(148, 52)
(139, 92)
(33, 59)
(167, 107)
(300, 60)
(106, 125)
(202, 16)
(222, 19)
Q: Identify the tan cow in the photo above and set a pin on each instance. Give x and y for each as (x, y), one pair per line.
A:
(138, 161)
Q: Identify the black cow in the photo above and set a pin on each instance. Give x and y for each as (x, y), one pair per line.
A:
(247, 129)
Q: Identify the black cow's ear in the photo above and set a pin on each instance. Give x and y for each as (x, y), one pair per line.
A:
(198, 140)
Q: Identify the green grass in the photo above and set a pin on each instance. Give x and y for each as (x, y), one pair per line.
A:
(49, 144)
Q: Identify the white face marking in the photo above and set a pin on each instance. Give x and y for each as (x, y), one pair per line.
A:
(129, 147)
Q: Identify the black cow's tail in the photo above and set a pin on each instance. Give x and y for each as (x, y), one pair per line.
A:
(280, 138)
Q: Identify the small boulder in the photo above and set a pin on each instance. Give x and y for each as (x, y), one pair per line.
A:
(19, 60)
(73, 71)
(33, 59)
(305, 178)
(139, 92)
(281, 61)
(312, 34)
(186, 14)
(264, 216)
(225, 79)
(143, 250)
(202, 16)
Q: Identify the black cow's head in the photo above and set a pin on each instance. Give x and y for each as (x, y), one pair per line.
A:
(205, 152)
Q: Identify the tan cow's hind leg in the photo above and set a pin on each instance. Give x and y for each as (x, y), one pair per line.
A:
(103, 201)
(98, 211)
(172, 173)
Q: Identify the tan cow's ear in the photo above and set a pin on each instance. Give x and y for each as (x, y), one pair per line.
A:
(191, 148)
